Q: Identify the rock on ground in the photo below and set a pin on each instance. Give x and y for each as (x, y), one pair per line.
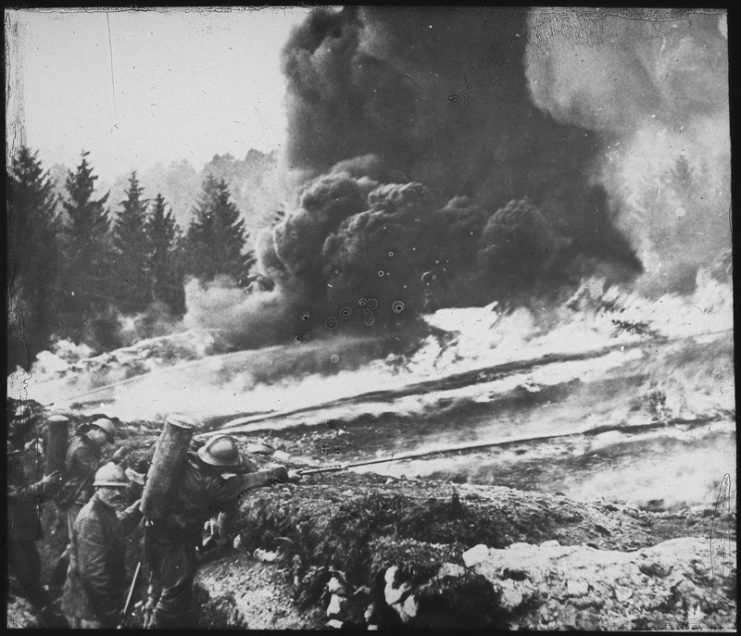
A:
(673, 585)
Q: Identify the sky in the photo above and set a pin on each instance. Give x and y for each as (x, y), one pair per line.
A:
(140, 87)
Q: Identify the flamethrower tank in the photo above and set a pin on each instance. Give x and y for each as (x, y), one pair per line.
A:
(57, 432)
(167, 465)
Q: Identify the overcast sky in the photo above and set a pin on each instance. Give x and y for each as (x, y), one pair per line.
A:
(140, 87)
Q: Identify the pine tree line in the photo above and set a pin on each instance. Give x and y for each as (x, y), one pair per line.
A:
(75, 268)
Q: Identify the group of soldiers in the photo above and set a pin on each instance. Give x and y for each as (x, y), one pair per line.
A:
(100, 500)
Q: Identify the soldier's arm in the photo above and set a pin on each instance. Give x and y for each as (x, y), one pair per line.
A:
(95, 575)
(223, 494)
(48, 487)
(130, 516)
(231, 489)
(18, 494)
(42, 490)
(264, 477)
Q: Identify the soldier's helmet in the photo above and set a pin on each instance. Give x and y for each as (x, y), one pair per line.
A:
(222, 451)
(107, 426)
(111, 475)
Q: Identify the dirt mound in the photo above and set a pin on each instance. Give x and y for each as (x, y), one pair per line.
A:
(240, 592)
(367, 551)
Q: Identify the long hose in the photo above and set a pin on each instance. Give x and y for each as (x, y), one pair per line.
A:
(505, 442)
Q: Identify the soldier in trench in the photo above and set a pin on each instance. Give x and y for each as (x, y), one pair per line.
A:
(88, 450)
(94, 590)
(212, 481)
(26, 493)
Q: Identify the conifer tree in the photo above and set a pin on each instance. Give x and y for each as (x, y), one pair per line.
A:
(216, 236)
(33, 227)
(132, 249)
(88, 271)
(166, 277)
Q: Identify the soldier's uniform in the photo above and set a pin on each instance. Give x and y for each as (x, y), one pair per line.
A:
(82, 461)
(25, 496)
(171, 541)
(84, 457)
(95, 587)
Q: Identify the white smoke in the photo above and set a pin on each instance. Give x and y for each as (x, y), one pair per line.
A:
(655, 85)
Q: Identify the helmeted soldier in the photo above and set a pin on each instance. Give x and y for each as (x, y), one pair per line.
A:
(85, 454)
(212, 480)
(95, 587)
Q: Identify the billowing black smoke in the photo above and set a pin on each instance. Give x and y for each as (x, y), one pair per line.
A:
(431, 178)
(439, 96)
(452, 156)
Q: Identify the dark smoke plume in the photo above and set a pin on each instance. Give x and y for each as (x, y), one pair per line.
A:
(441, 97)
(451, 157)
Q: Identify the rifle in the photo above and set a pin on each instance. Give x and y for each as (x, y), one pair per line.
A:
(134, 581)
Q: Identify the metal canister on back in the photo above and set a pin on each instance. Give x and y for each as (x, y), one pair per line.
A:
(167, 465)
(57, 436)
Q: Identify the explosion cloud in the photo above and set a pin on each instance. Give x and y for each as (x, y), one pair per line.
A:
(247, 320)
(654, 85)
(455, 156)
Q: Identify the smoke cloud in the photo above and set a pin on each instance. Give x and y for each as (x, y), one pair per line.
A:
(245, 320)
(451, 157)
(654, 85)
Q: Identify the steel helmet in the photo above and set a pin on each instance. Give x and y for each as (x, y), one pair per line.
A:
(111, 475)
(107, 426)
(222, 451)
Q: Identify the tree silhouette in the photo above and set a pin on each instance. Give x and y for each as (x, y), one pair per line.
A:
(87, 276)
(33, 227)
(131, 246)
(166, 277)
(216, 236)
